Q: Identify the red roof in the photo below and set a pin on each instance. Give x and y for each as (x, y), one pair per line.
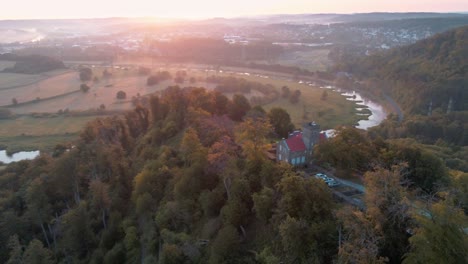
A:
(295, 143)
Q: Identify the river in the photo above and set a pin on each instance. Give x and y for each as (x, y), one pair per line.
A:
(23, 155)
(378, 113)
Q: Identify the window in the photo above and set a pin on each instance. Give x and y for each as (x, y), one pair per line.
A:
(280, 147)
(293, 161)
(303, 159)
(279, 157)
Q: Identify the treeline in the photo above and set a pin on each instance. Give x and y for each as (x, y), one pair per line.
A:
(208, 50)
(243, 86)
(431, 72)
(31, 64)
(186, 180)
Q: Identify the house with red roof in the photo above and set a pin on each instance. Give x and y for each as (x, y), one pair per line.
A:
(297, 148)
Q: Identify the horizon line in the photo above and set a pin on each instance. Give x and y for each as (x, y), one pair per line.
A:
(232, 17)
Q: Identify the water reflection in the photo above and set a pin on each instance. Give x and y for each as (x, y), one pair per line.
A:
(23, 155)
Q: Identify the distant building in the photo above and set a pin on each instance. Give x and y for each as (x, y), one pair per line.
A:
(297, 148)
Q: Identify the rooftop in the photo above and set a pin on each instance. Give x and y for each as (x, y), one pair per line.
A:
(295, 142)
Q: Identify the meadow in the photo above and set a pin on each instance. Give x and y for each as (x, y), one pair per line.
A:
(40, 133)
(30, 133)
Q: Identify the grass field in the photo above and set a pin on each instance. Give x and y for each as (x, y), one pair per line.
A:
(59, 84)
(6, 64)
(329, 113)
(29, 133)
(14, 79)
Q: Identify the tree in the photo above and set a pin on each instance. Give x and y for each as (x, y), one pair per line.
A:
(106, 74)
(121, 95)
(252, 135)
(35, 253)
(281, 121)
(239, 107)
(78, 237)
(285, 91)
(192, 150)
(294, 99)
(16, 251)
(324, 95)
(84, 88)
(296, 239)
(359, 240)
(440, 237)
(38, 206)
(221, 103)
(86, 74)
(225, 245)
(263, 204)
(385, 222)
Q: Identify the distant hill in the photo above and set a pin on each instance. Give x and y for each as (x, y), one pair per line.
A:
(432, 70)
(31, 64)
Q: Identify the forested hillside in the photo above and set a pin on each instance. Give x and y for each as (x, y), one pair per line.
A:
(185, 179)
(432, 70)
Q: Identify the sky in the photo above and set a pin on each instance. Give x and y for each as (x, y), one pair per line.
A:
(32, 9)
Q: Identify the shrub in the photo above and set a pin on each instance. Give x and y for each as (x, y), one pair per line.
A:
(121, 95)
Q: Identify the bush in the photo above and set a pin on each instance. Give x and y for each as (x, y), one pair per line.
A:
(121, 95)
(5, 113)
(84, 88)
(86, 74)
(144, 71)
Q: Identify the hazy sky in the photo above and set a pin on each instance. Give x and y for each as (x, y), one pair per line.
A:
(25, 9)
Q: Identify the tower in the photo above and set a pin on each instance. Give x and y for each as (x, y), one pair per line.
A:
(310, 134)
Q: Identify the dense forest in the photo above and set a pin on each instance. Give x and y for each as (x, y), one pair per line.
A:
(429, 80)
(185, 178)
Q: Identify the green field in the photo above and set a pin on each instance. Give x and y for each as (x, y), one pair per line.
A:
(29, 133)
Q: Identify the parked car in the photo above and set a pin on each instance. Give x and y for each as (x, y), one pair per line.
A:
(329, 181)
(321, 176)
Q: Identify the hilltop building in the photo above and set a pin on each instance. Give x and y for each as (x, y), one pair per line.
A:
(297, 148)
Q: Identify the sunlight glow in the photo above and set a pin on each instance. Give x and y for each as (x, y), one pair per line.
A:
(19, 9)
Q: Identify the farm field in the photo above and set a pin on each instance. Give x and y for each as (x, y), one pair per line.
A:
(8, 80)
(59, 84)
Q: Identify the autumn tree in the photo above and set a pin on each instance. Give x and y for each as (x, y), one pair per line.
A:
(440, 236)
(252, 135)
(225, 245)
(385, 220)
(358, 239)
(239, 107)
